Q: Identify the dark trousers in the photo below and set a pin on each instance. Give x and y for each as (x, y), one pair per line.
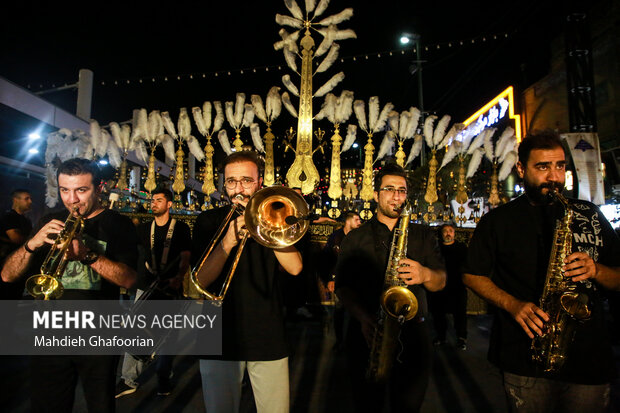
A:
(408, 381)
(449, 301)
(53, 381)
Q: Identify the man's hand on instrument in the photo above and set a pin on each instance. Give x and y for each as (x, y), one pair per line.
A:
(46, 235)
(76, 251)
(235, 232)
(580, 266)
(412, 272)
(529, 316)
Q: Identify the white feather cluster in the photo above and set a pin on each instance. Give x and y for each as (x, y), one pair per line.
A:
(344, 107)
(440, 131)
(184, 125)
(286, 100)
(273, 103)
(415, 149)
(329, 85)
(329, 60)
(169, 126)
(428, 130)
(360, 114)
(454, 149)
(509, 161)
(222, 137)
(256, 138)
(328, 108)
(474, 162)
(387, 145)
(286, 80)
(350, 139)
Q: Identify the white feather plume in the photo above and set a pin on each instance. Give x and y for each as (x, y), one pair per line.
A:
(207, 116)
(273, 103)
(199, 120)
(428, 130)
(288, 42)
(452, 151)
(141, 152)
(139, 122)
(310, 4)
(256, 138)
(510, 146)
(416, 148)
(327, 42)
(474, 162)
(329, 59)
(467, 135)
(440, 130)
(509, 162)
(219, 116)
(488, 143)
(350, 139)
(283, 20)
(102, 145)
(114, 154)
(331, 84)
(239, 106)
(386, 145)
(380, 124)
(328, 109)
(168, 144)
(286, 80)
(230, 114)
(393, 120)
(360, 114)
(373, 112)
(337, 18)
(289, 58)
(248, 115)
(292, 6)
(115, 130)
(412, 124)
(194, 148)
(128, 143)
(321, 7)
(184, 125)
(286, 100)
(403, 122)
(454, 130)
(503, 140)
(222, 137)
(169, 125)
(344, 106)
(259, 108)
(95, 133)
(476, 143)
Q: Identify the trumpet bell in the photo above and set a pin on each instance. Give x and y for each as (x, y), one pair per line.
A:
(44, 286)
(266, 212)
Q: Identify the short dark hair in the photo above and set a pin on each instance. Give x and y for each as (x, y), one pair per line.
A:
(348, 215)
(80, 166)
(165, 192)
(447, 224)
(390, 169)
(538, 139)
(17, 192)
(244, 156)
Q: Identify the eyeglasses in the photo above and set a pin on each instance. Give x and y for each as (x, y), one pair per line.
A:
(392, 191)
(246, 183)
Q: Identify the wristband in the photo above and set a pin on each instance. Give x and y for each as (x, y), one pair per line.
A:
(28, 248)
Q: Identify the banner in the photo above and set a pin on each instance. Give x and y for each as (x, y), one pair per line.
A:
(585, 150)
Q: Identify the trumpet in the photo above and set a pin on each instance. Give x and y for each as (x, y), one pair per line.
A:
(47, 284)
(275, 217)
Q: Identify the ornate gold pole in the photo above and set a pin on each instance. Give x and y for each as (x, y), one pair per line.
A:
(150, 184)
(238, 143)
(400, 154)
(270, 176)
(335, 183)
(431, 184)
(494, 195)
(122, 174)
(461, 193)
(303, 173)
(208, 186)
(178, 185)
(366, 194)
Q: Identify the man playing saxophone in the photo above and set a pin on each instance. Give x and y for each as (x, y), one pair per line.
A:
(510, 258)
(101, 259)
(360, 274)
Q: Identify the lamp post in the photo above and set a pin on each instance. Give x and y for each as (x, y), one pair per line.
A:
(406, 38)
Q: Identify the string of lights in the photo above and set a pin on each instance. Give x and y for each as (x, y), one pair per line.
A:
(260, 69)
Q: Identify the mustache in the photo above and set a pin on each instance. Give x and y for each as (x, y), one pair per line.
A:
(552, 186)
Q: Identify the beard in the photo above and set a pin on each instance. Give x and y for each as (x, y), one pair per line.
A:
(388, 211)
(535, 192)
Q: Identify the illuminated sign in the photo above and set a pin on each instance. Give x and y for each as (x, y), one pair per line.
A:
(493, 112)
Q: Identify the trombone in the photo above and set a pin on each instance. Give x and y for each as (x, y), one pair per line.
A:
(275, 217)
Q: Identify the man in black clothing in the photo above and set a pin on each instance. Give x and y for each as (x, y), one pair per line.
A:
(101, 260)
(253, 326)
(453, 298)
(15, 228)
(507, 264)
(360, 274)
(167, 246)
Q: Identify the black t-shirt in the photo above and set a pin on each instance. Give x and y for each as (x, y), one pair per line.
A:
(363, 261)
(108, 233)
(181, 241)
(454, 256)
(12, 220)
(253, 322)
(329, 255)
(512, 245)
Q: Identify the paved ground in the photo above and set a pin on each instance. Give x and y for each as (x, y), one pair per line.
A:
(462, 381)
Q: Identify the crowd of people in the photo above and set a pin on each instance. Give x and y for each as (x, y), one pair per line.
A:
(507, 263)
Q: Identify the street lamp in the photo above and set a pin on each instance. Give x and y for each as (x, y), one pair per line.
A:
(405, 39)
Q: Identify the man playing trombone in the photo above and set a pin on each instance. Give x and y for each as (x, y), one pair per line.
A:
(253, 325)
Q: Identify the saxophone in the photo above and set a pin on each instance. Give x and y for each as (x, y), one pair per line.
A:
(398, 304)
(561, 299)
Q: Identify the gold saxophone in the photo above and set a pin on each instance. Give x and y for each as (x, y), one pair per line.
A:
(398, 304)
(561, 299)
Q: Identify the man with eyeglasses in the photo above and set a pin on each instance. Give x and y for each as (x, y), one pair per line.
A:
(253, 322)
(360, 274)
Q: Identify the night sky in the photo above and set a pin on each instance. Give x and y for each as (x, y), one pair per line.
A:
(45, 45)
